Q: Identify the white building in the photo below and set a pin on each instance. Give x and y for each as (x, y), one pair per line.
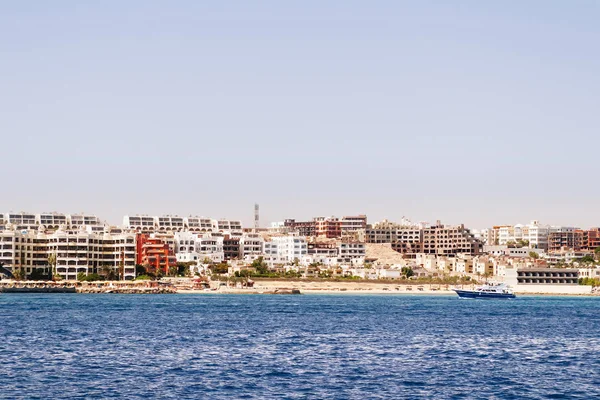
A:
(534, 233)
(251, 246)
(76, 251)
(348, 251)
(285, 249)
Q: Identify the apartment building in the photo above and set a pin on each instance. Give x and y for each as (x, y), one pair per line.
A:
(169, 223)
(199, 224)
(21, 221)
(231, 247)
(450, 240)
(85, 221)
(534, 233)
(389, 232)
(251, 246)
(154, 253)
(224, 225)
(328, 227)
(140, 223)
(565, 238)
(284, 249)
(75, 252)
(51, 221)
(323, 249)
(348, 251)
(190, 246)
(303, 228)
(353, 223)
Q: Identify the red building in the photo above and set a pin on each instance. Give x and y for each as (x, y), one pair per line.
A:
(154, 254)
(329, 227)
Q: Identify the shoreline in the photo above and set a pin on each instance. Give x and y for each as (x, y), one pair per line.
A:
(187, 286)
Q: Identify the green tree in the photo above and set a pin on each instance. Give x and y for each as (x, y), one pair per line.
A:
(38, 274)
(588, 259)
(81, 276)
(108, 273)
(140, 270)
(144, 278)
(260, 265)
(534, 255)
(407, 272)
(221, 268)
(52, 263)
(19, 274)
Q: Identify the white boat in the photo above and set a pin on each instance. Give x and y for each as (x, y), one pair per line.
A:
(488, 291)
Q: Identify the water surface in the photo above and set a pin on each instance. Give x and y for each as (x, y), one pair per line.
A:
(285, 347)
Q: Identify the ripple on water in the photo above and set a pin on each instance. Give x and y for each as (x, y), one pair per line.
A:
(256, 347)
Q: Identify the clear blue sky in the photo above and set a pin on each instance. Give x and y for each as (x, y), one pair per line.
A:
(476, 112)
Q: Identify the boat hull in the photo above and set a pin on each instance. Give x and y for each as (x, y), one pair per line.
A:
(471, 294)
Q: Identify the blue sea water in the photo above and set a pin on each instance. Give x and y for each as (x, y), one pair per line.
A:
(288, 347)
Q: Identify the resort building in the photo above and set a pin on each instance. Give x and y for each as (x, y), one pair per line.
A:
(285, 249)
(154, 253)
(389, 232)
(348, 251)
(450, 240)
(140, 223)
(91, 222)
(190, 246)
(231, 247)
(251, 246)
(328, 227)
(534, 234)
(169, 223)
(545, 280)
(198, 224)
(80, 251)
(305, 228)
(353, 223)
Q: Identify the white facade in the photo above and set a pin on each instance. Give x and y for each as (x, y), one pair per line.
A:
(191, 246)
(251, 246)
(348, 251)
(285, 249)
(75, 252)
(536, 234)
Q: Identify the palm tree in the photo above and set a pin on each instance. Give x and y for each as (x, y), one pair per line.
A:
(52, 263)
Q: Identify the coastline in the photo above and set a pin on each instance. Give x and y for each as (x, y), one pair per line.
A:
(187, 286)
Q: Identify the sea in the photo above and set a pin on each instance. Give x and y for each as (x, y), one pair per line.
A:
(211, 346)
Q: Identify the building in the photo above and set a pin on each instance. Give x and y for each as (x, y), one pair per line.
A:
(542, 276)
(498, 251)
(231, 247)
(199, 224)
(251, 246)
(565, 238)
(74, 251)
(285, 249)
(169, 223)
(450, 240)
(77, 221)
(140, 223)
(154, 253)
(533, 234)
(389, 232)
(349, 251)
(328, 227)
(353, 223)
(305, 228)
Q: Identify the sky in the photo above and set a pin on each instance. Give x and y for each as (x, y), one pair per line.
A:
(472, 112)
